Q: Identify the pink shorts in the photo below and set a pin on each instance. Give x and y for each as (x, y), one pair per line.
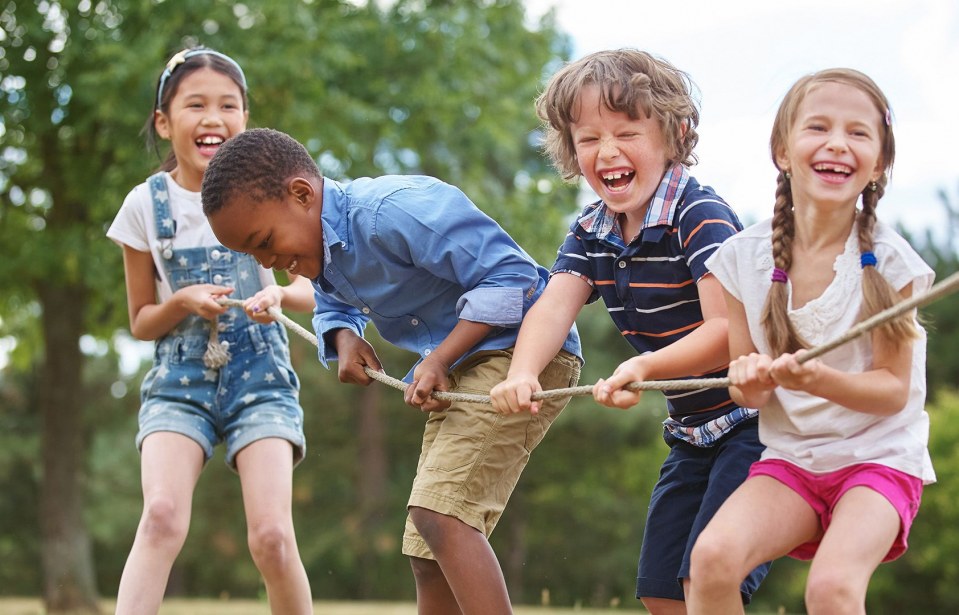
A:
(822, 492)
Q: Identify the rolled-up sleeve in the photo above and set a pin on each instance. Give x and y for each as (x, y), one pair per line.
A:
(459, 243)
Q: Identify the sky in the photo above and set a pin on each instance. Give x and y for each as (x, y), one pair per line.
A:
(745, 54)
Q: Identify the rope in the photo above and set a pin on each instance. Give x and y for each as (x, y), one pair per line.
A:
(935, 293)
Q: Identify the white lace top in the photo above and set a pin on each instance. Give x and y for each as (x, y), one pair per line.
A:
(810, 431)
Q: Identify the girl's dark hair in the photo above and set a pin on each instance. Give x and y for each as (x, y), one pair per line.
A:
(168, 83)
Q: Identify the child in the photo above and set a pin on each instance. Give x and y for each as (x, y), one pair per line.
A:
(626, 122)
(437, 277)
(845, 434)
(175, 272)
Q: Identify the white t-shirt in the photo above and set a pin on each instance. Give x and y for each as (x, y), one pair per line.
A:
(809, 431)
(135, 226)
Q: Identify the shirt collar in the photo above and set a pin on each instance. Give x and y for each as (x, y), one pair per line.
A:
(599, 220)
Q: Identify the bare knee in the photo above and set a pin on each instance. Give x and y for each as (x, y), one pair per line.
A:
(426, 571)
(833, 593)
(271, 545)
(164, 524)
(714, 565)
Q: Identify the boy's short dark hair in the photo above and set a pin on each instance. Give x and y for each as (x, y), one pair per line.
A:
(256, 162)
(630, 81)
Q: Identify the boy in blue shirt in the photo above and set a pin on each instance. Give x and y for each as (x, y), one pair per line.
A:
(437, 277)
(625, 121)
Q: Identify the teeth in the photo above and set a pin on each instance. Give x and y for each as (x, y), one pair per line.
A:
(836, 168)
(616, 175)
(210, 140)
(293, 265)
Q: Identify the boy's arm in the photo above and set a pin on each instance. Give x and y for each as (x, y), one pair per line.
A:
(329, 316)
(541, 336)
(353, 355)
(431, 374)
(704, 350)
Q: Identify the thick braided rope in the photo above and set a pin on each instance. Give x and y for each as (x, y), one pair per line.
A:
(935, 293)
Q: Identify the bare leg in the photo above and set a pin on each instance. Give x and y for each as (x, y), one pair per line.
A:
(433, 593)
(664, 606)
(850, 552)
(266, 474)
(470, 567)
(170, 465)
(761, 521)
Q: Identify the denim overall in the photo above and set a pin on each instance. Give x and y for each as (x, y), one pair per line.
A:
(255, 394)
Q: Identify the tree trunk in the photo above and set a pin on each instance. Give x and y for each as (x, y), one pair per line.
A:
(68, 572)
(514, 559)
(373, 481)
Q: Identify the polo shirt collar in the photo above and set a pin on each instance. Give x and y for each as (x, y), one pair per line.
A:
(602, 222)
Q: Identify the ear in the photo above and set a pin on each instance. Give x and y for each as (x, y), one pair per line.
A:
(782, 160)
(301, 189)
(878, 171)
(161, 124)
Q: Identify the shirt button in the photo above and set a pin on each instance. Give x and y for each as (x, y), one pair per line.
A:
(215, 255)
(427, 352)
(218, 279)
(622, 264)
(365, 310)
(414, 322)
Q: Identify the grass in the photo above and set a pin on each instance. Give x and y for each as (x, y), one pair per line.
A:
(181, 606)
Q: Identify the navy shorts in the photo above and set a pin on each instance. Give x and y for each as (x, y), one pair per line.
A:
(693, 483)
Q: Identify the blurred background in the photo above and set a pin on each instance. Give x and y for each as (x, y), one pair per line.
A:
(437, 87)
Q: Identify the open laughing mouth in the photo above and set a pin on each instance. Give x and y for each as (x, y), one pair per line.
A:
(618, 179)
(832, 170)
(208, 144)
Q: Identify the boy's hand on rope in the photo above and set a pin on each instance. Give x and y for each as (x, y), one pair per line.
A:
(354, 354)
(430, 375)
(613, 393)
(201, 299)
(515, 394)
(258, 306)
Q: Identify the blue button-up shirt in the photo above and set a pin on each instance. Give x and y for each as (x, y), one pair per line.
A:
(414, 255)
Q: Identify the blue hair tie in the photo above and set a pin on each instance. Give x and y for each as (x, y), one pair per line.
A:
(867, 259)
(182, 56)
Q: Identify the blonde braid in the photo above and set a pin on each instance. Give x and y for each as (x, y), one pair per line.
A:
(780, 333)
(877, 293)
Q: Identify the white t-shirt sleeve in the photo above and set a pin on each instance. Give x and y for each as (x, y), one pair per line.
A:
(130, 227)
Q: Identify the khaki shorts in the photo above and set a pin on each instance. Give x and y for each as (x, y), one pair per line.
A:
(473, 456)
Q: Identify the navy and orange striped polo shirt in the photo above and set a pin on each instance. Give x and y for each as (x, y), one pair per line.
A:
(649, 285)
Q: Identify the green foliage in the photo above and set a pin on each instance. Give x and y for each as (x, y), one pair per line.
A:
(938, 248)
(419, 86)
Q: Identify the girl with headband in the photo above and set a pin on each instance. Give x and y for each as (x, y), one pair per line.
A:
(219, 374)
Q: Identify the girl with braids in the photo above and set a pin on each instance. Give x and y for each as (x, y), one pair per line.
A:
(846, 435)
